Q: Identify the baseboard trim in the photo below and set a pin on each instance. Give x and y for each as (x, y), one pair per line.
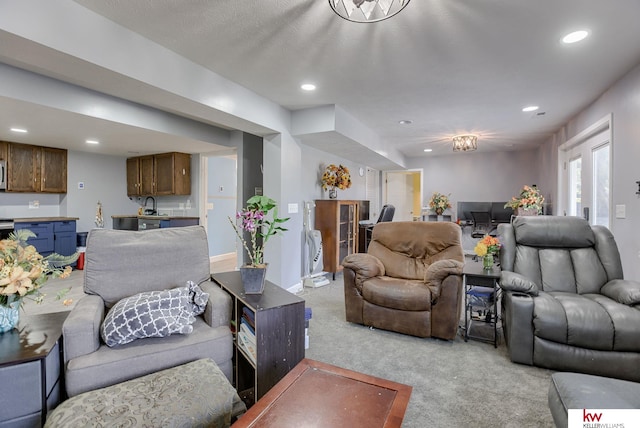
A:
(221, 257)
(295, 288)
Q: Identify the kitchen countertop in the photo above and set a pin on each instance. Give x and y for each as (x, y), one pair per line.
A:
(153, 217)
(43, 219)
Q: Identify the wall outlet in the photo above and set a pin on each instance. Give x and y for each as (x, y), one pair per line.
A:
(621, 211)
(80, 185)
(210, 206)
(293, 208)
(34, 205)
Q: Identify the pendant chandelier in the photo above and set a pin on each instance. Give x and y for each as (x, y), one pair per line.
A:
(367, 10)
(465, 143)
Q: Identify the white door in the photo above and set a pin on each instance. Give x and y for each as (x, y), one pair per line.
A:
(403, 191)
(586, 179)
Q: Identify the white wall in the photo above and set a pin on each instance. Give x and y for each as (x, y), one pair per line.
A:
(478, 176)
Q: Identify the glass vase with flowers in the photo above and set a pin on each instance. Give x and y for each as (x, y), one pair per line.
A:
(487, 249)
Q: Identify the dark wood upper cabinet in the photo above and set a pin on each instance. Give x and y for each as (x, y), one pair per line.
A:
(161, 174)
(35, 169)
(53, 170)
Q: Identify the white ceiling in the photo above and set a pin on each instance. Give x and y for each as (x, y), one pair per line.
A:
(449, 66)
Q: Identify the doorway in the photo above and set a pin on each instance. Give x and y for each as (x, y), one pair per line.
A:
(586, 169)
(403, 190)
(220, 196)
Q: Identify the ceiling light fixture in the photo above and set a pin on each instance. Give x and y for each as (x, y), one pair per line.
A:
(574, 37)
(465, 143)
(367, 10)
(92, 142)
(530, 108)
(428, 150)
(308, 87)
(405, 122)
(19, 130)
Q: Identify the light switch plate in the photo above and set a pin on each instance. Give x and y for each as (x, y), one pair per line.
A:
(621, 211)
(293, 208)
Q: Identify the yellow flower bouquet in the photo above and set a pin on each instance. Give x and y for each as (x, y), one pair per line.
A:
(336, 177)
(487, 248)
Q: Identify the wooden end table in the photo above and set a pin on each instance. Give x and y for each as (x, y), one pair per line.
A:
(319, 394)
(31, 375)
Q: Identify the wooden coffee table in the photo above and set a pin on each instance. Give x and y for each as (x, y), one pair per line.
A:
(318, 394)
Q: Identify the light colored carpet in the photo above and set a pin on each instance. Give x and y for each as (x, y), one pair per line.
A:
(455, 384)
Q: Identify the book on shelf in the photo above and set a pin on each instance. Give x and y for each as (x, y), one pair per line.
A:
(243, 322)
(249, 316)
(248, 332)
(247, 345)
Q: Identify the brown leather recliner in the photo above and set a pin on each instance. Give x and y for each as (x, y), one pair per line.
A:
(409, 281)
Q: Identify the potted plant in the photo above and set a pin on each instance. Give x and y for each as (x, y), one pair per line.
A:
(439, 202)
(23, 273)
(260, 219)
(529, 202)
(335, 177)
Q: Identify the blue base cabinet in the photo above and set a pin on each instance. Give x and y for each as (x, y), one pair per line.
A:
(51, 236)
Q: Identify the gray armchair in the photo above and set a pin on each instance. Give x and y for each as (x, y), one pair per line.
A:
(565, 303)
(120, 264)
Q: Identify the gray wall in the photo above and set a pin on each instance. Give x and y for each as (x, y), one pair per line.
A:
(478, 176)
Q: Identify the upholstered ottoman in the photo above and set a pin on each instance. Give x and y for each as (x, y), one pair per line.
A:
(194, 394)
(581, 391)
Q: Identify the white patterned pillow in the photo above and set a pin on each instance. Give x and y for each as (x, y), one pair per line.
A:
(153, 314)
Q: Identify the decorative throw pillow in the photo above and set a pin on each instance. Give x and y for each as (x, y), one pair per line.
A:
(153, 314)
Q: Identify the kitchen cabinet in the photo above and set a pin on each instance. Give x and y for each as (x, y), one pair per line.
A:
(51, 236)
(36, 169)
(161, 174)
(337, 221)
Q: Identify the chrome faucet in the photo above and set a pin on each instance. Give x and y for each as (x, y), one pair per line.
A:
(154, 207)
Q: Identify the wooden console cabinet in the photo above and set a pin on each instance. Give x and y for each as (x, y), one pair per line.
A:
(161, 174)
(278, 318)
(337, 221)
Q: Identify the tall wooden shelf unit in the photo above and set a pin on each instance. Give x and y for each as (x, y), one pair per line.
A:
(337, 221)
(279, 334)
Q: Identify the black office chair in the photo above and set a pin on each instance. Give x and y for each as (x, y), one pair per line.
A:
(482, 224)
(386, 214)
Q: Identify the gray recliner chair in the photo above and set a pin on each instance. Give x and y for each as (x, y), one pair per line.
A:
(565, 303)
(122, 263)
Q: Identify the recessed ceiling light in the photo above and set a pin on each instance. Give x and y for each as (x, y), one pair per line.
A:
(530, 108)
(19, 130)
(428, 150)
(308, 87)
(405, 122)
(93, 142)
(574, 37)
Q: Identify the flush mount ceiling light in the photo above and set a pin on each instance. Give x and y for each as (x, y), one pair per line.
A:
(428, 150)
(367, 10)
(405, 122)
(92, 142)
(308, 87)
(574, 37)
(530, 108)
(465, 143)
(20, 130)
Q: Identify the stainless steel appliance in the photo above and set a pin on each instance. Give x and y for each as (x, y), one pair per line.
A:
(3, 174)
(6, 227)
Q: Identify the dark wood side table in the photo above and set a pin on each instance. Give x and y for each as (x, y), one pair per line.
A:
(31, 372)
(480, 284)
(278, 323)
